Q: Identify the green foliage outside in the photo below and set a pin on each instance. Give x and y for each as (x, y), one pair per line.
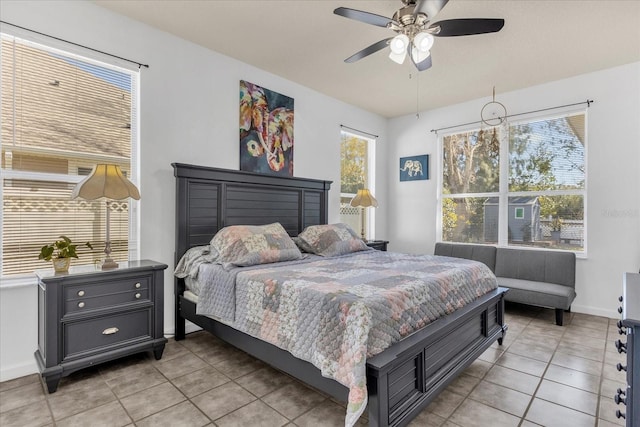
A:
(543, 156)
(353, 164)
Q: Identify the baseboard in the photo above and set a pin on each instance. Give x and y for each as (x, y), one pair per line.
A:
(595, 311)
(16, 371)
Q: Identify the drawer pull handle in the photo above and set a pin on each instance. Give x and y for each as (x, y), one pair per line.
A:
(621, 346)
(80, 293)
(81, 304)
(138, 285)
(138, 295)
(110, 331)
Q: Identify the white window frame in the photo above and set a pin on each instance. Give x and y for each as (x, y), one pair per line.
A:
(370, 216)
(503, 194)
(102, 60)
(518, 209)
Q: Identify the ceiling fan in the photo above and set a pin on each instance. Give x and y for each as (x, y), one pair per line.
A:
(415, 30)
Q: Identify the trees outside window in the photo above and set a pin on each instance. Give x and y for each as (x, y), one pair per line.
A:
(530, 174)
(356, 172)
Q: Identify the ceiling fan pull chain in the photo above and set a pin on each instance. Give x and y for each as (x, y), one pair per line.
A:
(417, 96)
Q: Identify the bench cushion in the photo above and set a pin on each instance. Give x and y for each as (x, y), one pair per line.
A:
(538, 266)
(482, 253)
(537, 293)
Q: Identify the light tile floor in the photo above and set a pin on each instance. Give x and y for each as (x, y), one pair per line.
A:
(542, 375)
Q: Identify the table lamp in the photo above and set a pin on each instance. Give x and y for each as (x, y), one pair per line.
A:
(363, 199)
(108, 182)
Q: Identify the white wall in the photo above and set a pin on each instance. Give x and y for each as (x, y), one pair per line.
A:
(189, 114)
(613, 194)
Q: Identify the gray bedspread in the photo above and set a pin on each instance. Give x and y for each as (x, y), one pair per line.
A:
(336, 312)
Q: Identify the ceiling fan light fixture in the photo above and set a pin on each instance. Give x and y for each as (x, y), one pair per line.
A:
(398, 47)
(423, 42)
(418, 56)
(399, 44)
(398, 58)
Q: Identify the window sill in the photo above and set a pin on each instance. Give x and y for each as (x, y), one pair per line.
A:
(14, 282)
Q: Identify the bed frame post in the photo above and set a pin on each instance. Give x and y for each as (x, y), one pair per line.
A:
(180, 321)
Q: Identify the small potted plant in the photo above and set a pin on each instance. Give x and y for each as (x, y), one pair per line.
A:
(60, 252)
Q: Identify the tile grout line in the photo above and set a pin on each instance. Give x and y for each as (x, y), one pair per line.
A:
(531, 322)
(533, 397)
(468, 396)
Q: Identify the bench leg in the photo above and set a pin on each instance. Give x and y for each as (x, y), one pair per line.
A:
(559, 316)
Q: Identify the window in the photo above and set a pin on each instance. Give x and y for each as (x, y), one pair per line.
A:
(356, 172)
(62, 114)
(519, 213)
(518, 184)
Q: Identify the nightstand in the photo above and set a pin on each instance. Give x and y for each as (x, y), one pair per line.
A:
(380, 245)
(89, 316)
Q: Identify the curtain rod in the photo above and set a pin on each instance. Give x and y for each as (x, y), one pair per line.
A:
(139, 64)
(588, 102)
(358, 130)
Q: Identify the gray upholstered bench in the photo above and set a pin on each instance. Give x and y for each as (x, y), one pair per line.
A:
(482, 253)
(534, 277)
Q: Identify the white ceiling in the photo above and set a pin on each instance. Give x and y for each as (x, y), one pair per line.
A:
(303, 41)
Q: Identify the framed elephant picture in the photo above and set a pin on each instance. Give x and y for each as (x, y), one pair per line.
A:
(266, 131)
(414, 168)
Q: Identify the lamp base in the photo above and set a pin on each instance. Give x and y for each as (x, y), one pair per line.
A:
(109, 264)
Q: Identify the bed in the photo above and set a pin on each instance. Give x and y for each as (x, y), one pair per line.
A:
(400, 380)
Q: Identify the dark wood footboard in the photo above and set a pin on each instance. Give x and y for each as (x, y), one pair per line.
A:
(405, 378)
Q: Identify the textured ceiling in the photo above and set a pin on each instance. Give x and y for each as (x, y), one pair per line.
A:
(303, 41)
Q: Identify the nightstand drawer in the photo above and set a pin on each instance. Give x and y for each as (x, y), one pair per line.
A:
(92, 296)
(96, 334)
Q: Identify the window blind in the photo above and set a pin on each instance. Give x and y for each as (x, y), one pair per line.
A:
(61, 114)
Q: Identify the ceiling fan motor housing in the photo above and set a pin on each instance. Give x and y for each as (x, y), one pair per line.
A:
(404, 15)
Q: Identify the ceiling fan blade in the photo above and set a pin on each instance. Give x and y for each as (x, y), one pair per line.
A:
(366, 17)
(369, 50)
(422, 65)
(429, 7)
(467, 26)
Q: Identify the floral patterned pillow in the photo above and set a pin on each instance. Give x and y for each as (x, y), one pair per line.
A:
(244, 245)
(331, 240)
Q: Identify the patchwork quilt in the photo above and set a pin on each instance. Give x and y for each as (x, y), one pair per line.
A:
(335, 312)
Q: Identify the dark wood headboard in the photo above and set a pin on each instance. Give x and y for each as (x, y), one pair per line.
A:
(208, 199)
